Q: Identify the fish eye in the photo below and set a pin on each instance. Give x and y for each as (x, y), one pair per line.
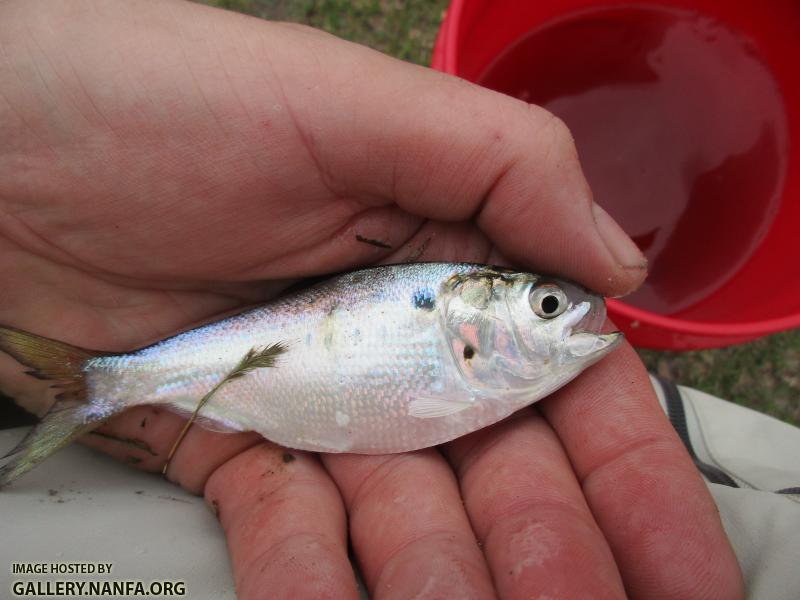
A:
(548, 300)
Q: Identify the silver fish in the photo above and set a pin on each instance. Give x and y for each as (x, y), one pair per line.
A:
(382, 360)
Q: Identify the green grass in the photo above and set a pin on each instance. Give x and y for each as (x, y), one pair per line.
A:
(764, 375)
(405, 29)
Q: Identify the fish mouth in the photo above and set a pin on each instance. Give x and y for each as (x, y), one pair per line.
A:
(592, 346)
(587, 316)
(582, 325)
(592, 320)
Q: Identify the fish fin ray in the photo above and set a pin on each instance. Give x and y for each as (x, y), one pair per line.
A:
(58, 428)
(71, 415)
(49, 359)
(428, 407)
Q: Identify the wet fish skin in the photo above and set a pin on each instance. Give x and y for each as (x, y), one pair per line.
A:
(382, 360)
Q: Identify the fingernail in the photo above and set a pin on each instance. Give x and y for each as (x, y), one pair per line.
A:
(622, 248)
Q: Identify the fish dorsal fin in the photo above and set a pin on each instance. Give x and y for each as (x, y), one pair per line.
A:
(428, 407)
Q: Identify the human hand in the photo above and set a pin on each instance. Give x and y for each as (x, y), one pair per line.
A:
(164, 163)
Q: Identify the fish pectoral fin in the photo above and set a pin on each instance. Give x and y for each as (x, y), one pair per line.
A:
(428, 407)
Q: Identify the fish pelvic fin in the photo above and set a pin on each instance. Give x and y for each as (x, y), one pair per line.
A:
(71, 415)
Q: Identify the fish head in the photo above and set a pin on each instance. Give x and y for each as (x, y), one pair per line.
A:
(557, 322)
(522, 332)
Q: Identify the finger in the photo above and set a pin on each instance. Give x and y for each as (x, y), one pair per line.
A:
(646, 495)
(285, 524)
(408, 526)
(445, 242)
(448, 242)
(143, 436)
(462, 152)
(459, 152)
(282, 515)
(528, 510)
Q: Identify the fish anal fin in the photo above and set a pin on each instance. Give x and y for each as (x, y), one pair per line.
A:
(207, 422)
(428, 407)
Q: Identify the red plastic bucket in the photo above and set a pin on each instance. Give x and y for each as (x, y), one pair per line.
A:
(686, 115)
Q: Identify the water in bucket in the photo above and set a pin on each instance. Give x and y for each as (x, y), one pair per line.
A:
(681, 130)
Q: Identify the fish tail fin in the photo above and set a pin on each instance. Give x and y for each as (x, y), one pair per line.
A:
(58, 428)
(71, 415)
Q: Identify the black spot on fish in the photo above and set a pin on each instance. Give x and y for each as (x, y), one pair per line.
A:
(287, 457)
(424, 299)
(469, 352)
(371, 242)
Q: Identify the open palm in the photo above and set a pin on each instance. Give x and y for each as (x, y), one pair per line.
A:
(164, 163)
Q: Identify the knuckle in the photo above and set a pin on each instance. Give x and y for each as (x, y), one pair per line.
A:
(553, 134)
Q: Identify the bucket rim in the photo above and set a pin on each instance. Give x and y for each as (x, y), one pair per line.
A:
(445, 55)
(704, 328)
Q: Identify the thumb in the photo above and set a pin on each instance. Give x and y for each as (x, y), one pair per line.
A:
(444, 149)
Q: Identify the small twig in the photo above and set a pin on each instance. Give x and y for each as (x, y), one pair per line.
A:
(254, 359)
(373, 242)
(416, 254)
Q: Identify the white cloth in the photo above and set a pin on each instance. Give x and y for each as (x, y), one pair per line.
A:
(762, 455)
(81, 506)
